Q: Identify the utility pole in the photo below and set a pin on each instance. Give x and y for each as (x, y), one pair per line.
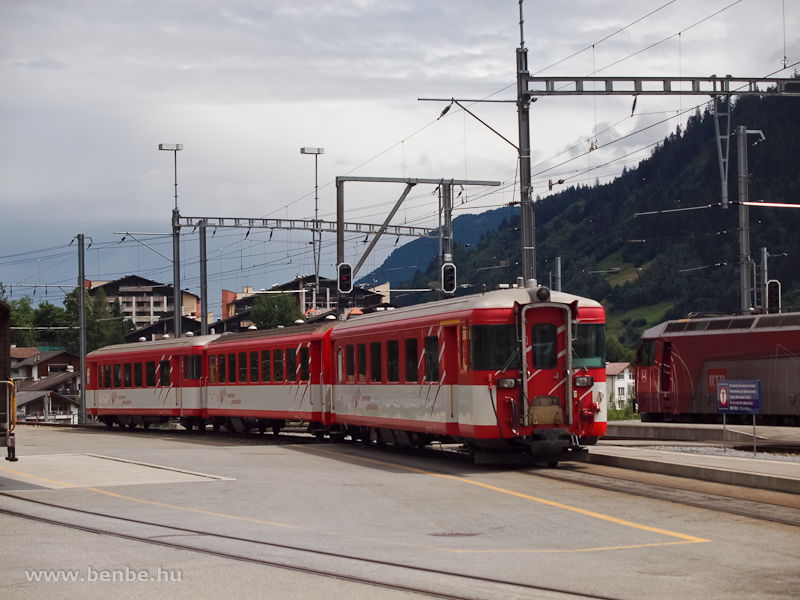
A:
(82, 323)
(177, 297)
(525, 191)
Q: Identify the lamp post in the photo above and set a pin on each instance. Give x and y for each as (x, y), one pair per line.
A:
(316, 152)
(177, 298)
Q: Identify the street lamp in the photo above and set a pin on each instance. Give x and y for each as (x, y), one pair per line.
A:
(316, 152)
(177, 297)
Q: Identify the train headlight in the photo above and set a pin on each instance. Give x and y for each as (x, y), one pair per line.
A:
(507, 383)
(584, 381)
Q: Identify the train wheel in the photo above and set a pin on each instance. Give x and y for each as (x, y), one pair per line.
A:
(552, 464)
(216, 425)
(276, 429)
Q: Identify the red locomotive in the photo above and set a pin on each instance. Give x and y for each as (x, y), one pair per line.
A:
(679, 363)
(511, 371)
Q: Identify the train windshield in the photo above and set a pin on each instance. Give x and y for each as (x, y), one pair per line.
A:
(589, 346)
(493, 347)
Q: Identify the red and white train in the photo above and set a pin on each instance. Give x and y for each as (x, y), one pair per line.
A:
(513, 371)
(679, 363)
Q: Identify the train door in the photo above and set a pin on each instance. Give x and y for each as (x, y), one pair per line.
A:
(547, 351)
(449, 364)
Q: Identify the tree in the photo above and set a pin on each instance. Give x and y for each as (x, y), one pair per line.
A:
(45, 316)
(616, 352)
(269, 311)
(104, 323)
(22, 315)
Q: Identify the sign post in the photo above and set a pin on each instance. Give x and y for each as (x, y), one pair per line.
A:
(740, 397)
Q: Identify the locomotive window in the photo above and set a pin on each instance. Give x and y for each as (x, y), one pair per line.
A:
(164, 369)
(291, 364)
(242, 367)
(150, 373)
(718, 324)
(589, 345)
(137, 374)
(544, 346)
(412, 356)
(742, 323)
(648, 353)
(393, 361)
(362, 362)
(221, 372)
(493, 347)
(127, 374)
(117, 376)
(697, 326)
(266, 367)
(375, 361)
(192, 367)
(278, 365)
(231, 367)
(254, 367)
(106, 376)
(212, 368)
(351, 363)
(675, 326)
(432, 358)
(304, 370)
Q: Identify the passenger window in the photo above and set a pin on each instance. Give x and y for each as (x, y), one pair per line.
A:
(165, 373)
(212, 369)
(221, 371)
(351, 363)
(375, 361)
(150, 373)
(192, 367)
(231, 367)
(242, 367)
(127, 375)
(304, 366)
(107, 376)
(412, 358)
(117, 376)
(137, 375)
(278, 365)
(254, 367)
(362, 362)
(432, 358)
(393, 361)
(266, 367)
(291, 364)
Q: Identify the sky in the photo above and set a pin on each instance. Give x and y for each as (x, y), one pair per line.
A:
(90, 88)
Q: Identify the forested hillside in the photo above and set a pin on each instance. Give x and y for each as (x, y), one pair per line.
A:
(669, 264)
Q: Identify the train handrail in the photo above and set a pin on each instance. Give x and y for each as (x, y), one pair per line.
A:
(11, 418)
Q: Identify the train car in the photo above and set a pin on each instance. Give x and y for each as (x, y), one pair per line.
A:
(8, 404)
(679, 363)
(518, 370)
(148, 382)
(261, 379)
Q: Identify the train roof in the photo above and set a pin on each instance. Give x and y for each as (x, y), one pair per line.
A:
(723, 324)
(156, 345)
(506, 298)
(261, 334)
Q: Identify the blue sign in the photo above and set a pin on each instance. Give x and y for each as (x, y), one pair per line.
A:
(739, 396)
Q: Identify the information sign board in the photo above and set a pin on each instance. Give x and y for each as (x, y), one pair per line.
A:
(741, 397)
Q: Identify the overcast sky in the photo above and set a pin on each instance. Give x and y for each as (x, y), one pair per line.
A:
(91, 87)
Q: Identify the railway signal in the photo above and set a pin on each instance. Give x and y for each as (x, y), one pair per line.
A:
(773, 296)
(449, 278)
(344, 272)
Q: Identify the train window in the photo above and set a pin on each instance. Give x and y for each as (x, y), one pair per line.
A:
(464, 347)
(106, 376)
(648, 353)
(164, 370)
(339, 364)
(412, 356)
(771, 321)
(231, 367)
(432, 358)
(212, 368)
(137, 374)
(150, 373)
(675, 327)
(351, 363)
(588, 345)
(192, 367)
(242, 367)
(291, 364)
(221, 372)
(254, 367)
(361, 351)
(266, 365)
(718, 324)
(494, 347)
(743, 323)
(278, 365)
(375, 361)
(393, 361)
(127, 375)
(304, 369)
(544, 346)
(697, 326)
(666, 368)
(117, 376)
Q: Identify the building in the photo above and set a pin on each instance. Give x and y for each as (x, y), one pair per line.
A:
(29, 364)
(620, 383)
(47, 384)
(144, 301)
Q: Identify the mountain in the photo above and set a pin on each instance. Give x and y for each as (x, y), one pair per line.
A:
(650, 267)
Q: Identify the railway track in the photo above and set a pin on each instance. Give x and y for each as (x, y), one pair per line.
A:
(391, 574)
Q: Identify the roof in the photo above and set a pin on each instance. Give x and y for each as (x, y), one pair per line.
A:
(616, 368)
(23, 353)
(47, 383)
(24, 398)
(41, 357)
